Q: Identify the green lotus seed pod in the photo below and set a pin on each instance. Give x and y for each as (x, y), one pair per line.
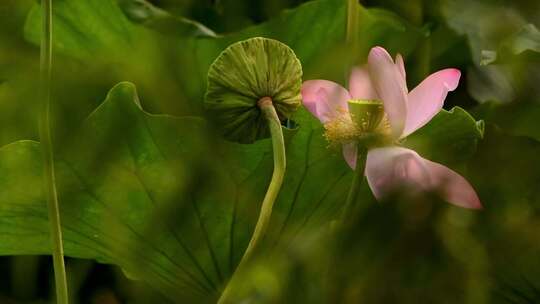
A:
(371, 122)
(367, 114)
(243, 74)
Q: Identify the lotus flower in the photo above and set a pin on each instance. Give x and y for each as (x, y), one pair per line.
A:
(392, 114)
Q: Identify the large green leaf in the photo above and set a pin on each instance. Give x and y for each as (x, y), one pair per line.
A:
(455, 130)
(82, 28)
(320, 45)
(96, 30)
(103, 45)
(143, 12)
(85, 29)
(110, 180)
(169, 202)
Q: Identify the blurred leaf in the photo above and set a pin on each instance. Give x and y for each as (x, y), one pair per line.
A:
(163, 199)
(526, 40)
(492, 82)
(12, 12)
(481, 23)
(506, 173)
(143, 12)
(18, 114)
(19, 62)
(518, 118)
(407, 246)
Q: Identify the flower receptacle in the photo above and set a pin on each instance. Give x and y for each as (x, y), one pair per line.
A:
(368, 115)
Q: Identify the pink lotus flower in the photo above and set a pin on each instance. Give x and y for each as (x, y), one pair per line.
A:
(388, 166)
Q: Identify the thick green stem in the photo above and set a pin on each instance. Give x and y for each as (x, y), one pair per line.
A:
(278, 146)
(47, 150)
(358, 177)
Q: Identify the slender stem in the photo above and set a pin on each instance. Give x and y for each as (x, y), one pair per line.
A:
(278, 146)
(351, 34)
(352, 196)
(48, 158)
(352, 22)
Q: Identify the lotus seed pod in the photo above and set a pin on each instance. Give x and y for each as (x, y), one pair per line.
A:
(243, 74)
(367, 114)
(371, 124)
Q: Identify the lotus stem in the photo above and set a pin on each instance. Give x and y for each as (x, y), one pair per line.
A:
(278, 145)
(358, 177)
(47, 151)
(352, 23)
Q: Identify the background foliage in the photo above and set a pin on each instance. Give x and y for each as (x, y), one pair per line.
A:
(148, 187)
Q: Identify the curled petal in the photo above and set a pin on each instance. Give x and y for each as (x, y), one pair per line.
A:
(390, 85)
(401, 66)
(325, 99)
(453, 187)
(394, 168)
(360, 85)
(350, 152)
(427, 99)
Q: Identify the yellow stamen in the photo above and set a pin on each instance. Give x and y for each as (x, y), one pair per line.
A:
(341, 130)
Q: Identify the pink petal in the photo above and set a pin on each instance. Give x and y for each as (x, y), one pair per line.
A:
(360, 85)
(394, 168)
(325, 99)
(427, 99)
(401, 67)
(350, 154)
(453, 187)
(390, 86)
